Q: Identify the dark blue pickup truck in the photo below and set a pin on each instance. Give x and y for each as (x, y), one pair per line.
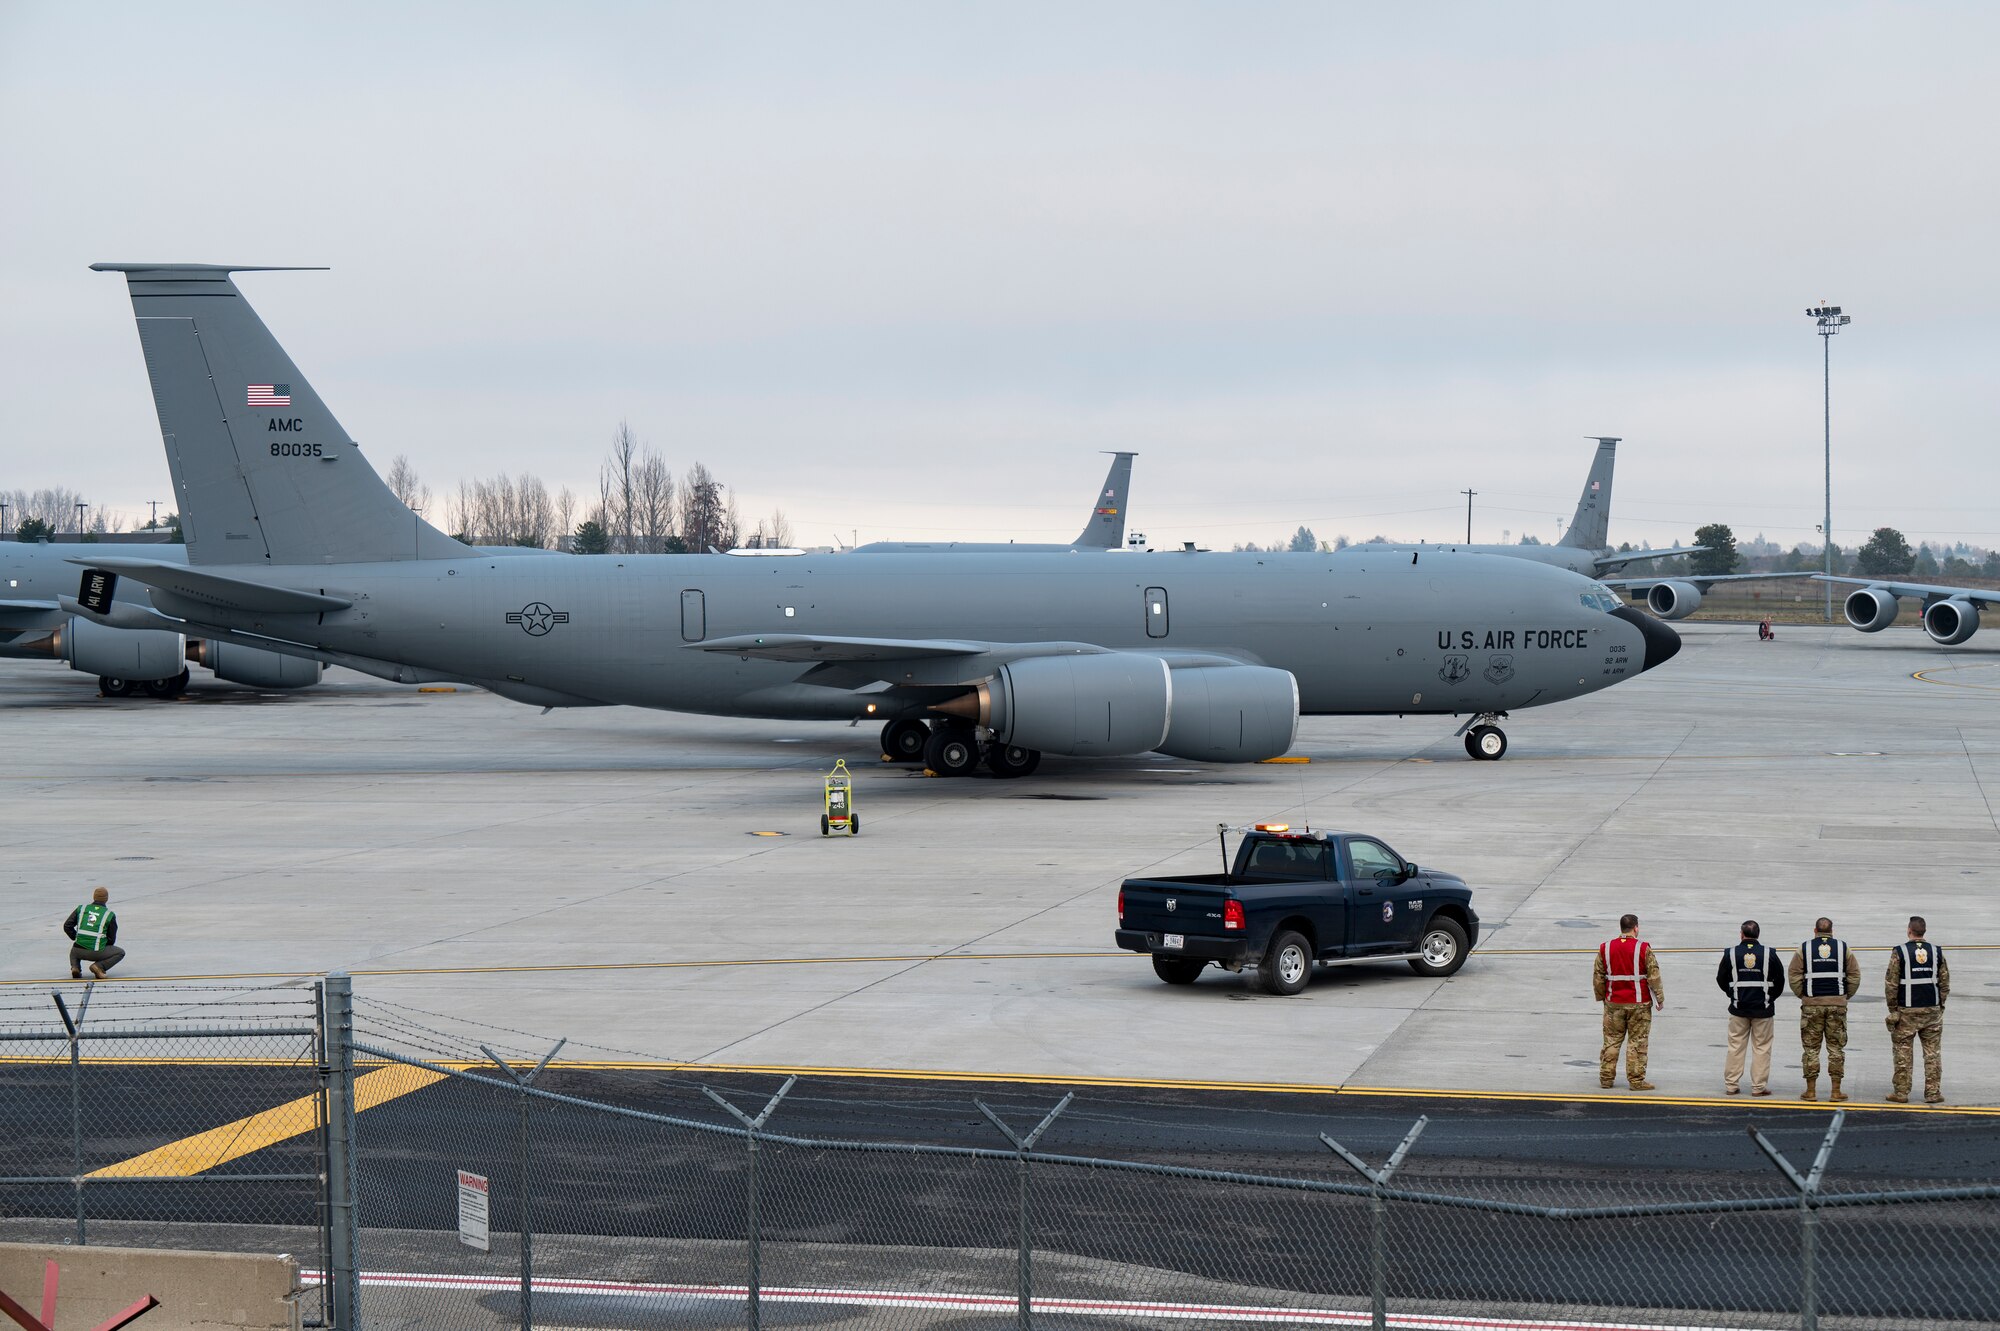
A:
(1293, 898)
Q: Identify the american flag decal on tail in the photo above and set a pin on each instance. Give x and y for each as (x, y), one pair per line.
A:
(269, 395)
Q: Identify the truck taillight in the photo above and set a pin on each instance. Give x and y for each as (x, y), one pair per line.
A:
(1121, 903)
(1232, 915)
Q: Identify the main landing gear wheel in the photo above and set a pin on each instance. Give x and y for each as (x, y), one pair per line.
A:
(1486, 743)
(1011, 759)
(951, 752)
(114, 688)
(903, 741)
(168, 688)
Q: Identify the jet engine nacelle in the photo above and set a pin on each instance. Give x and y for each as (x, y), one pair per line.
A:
(1871, 609)
(110, 653)
(252, 666)
(1951, 622)
(1090, 705)
(1232, 714)
(1673, 600)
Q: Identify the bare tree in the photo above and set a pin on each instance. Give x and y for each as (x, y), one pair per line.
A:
(774, 532)
(565, 512)
(405, 485)
(617, 486)
(652, 503)
(502, 511)
(708, 517)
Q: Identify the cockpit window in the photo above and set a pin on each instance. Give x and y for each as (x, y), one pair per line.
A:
(1600, 597)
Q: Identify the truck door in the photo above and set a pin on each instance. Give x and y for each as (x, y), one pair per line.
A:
(694, 617)
(1378, 920)
(1308, 865)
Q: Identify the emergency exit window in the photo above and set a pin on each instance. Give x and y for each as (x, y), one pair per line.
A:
(1156, 612)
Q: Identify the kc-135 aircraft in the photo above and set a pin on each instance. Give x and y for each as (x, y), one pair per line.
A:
(1103, 530)
(296, 546)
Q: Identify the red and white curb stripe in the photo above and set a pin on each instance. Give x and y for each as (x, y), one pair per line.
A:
(995, 1303)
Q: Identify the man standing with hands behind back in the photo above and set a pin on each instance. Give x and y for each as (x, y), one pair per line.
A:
(1917, 986)
(1824, 976)
(1749, 973)
(1626, 979)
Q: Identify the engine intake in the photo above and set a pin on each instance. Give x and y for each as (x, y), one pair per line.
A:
(1951, 622)
(1232, 714)
(253, 666)
(1871, 609)
(1091, 705)
(109, 653)
(1673, 600)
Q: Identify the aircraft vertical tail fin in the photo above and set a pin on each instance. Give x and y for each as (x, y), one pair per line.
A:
(1105, 528)
(1590, 529)
(263, 473)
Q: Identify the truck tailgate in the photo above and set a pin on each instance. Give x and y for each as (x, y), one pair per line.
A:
(1161, 906)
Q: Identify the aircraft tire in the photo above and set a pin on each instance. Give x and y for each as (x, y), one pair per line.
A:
(1012, 760)
(114, 688)
(1288, 967)
(1486, 743)
(950, 751)
(1178, 970)
(168, 688)
(903, 741)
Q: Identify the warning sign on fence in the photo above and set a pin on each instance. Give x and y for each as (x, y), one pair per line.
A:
(472, 1194)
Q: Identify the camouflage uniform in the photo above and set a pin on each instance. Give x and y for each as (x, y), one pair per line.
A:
(1626, 1025)
(1919, 1024)
(1823, 1017)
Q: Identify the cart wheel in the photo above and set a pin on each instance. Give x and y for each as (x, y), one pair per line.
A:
(853, 826)
(823, 825)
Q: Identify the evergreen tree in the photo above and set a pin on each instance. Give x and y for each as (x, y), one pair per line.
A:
(591, 539)
(1720, 557)
(1926, 565)
(1887, 555)
(34, 529)
(1303, 541)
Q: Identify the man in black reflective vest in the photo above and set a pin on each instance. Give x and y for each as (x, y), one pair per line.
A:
(1749, 973)
(1825, 973)
(1916, 989)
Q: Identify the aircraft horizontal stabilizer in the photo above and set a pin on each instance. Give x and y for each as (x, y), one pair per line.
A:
(218, 590)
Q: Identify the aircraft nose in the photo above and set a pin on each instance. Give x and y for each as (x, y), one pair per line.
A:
(1661, 642)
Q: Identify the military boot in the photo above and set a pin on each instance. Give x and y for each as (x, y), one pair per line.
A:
(1811, 1091)
(1896, 1098)
(1641, 1084)
(1838, 1094)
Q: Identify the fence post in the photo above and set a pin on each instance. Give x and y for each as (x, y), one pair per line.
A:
(524, 1199)
(1024, 1274)
(1808, 1187)
(341, 1165)
(1378, 1213)
(76, 1101)
(755, 1247)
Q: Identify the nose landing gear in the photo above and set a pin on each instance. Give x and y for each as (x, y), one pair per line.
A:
(1484, 740)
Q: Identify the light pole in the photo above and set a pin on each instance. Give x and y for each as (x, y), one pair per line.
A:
(1830, 321)
(1468, 514)
(80, 506)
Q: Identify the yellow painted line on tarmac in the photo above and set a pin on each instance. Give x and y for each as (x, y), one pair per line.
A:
(232, 1141)
(1288, 758)
(1925, 677)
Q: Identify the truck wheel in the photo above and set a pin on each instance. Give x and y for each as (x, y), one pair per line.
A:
(1178, 970)
(903, 741)
(1287, 968)
(1443, 947)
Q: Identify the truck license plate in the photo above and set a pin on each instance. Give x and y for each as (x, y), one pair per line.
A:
(1173, 940)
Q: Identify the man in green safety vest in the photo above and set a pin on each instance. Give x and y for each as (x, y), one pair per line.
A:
(93, 933)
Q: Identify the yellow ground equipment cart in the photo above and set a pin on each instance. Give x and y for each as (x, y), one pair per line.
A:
(839, 816)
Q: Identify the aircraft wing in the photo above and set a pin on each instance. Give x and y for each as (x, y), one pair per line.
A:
(815, 647)
(1928, 591)
(1703, 581)
(1618, 559)
(27, 616)
(219, 590)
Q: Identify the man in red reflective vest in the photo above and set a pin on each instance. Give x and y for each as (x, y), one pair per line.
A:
(1626, 979)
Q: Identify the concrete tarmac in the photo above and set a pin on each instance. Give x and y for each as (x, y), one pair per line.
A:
(589, 873)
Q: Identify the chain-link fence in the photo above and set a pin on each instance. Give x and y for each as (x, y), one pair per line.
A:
(165, 1116)
(476, 1179)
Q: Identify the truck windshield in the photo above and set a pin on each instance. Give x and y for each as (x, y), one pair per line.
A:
(1289, 859)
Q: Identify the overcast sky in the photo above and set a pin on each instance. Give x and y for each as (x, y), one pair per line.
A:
(906, 268)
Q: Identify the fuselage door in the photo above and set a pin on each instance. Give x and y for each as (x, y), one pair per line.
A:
(694, 617)
(1156, 612)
